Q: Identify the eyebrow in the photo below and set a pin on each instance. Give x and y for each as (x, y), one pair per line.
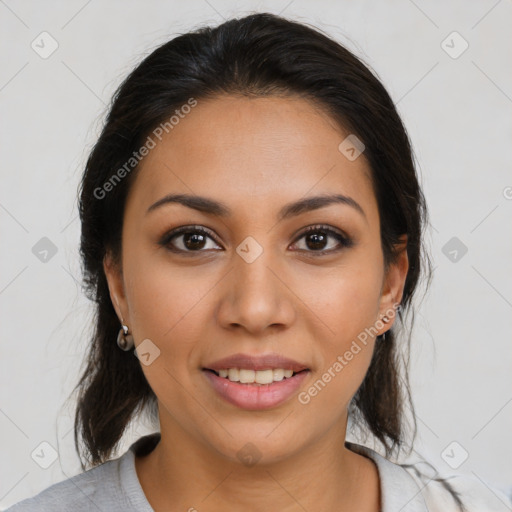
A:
(216, 208)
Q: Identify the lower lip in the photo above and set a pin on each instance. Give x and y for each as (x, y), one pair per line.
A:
(256, 397)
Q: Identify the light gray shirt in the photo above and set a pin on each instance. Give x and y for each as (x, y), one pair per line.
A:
(114, 486)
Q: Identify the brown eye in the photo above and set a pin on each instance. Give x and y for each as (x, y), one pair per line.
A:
(316, 240)
(194, 241)
(187, 239)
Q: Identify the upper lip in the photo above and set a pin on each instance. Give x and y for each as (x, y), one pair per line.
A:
(259, 362)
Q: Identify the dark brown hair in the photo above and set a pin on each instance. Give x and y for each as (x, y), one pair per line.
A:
(258, 55)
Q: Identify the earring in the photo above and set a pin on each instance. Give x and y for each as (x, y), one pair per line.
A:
(385, 319)
(125, 339)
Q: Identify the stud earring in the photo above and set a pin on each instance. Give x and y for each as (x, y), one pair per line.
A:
(125, 339)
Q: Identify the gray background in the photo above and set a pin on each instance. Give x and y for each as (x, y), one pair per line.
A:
(456, 108)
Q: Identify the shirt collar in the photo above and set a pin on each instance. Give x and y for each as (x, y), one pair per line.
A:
(398, 490)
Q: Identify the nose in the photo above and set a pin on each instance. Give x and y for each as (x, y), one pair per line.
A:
(255, 296)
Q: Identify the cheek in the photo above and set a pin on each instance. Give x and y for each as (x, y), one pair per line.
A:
(349, 306)
(165, 305)
(348, 297)
(165, 300)
(347, 300)
(330, 392)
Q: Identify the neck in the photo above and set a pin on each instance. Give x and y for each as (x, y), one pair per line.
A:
(181, 473)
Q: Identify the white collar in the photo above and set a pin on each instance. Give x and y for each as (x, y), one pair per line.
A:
(399, 491)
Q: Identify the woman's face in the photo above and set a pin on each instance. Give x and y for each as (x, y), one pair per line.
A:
(255, 283)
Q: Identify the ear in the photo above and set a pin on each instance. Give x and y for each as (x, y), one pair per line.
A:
(114, 276)
(393, 285)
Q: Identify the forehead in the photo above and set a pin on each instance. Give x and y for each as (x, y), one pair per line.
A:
(273, 149)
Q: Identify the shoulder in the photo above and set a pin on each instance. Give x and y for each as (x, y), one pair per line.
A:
(94, 489)
(474, 494)
(110, 486)
(413, 488)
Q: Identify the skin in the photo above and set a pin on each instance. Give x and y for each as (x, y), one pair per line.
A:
(255, 155)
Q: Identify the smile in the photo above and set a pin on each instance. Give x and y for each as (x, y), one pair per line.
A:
(255, 390)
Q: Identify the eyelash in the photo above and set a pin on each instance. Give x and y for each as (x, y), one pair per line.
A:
(344, 241)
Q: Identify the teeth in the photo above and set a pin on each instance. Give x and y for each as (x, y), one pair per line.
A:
(246, 376)
(278, 374)
(252, 376)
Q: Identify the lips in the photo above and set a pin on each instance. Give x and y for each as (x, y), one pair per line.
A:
(269, 361)
(250, 395)
(256, 397)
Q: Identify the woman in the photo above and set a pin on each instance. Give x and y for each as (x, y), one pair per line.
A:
(252, 233)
